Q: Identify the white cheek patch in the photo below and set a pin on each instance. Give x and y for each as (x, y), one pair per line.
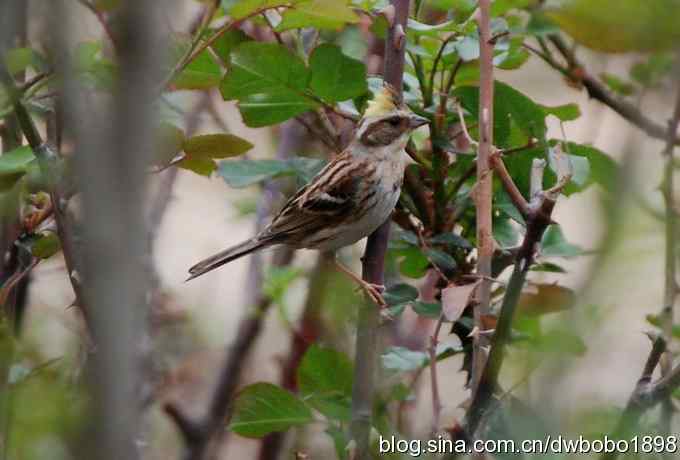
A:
(333, 199)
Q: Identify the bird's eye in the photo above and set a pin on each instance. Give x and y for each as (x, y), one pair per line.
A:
(394, 121)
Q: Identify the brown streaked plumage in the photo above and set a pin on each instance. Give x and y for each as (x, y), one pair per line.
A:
(349, 198)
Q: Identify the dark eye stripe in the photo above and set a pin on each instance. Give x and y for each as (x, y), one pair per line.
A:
(384, 132)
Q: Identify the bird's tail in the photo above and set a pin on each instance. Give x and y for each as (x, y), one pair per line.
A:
(226, 256)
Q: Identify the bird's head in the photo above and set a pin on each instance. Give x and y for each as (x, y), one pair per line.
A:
(387, 121)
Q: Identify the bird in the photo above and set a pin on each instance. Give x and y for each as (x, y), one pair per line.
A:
(349, 198)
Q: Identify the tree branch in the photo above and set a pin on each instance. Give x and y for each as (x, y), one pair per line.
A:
(539, 217)
(598, 91)
(483, 190)
(49, 162)
(671, 289)
(645, 395)
(113, 143)
(373, 263)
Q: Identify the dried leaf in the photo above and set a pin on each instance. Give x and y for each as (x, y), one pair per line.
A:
(455, 298)
(546, 298)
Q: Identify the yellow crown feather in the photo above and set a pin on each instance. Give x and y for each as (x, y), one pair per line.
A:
(382, 102)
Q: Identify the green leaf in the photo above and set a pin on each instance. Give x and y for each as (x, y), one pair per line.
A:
(512, 58)
(566, 112)
(201, 166)
(242, 173)
(441, 259)
(561, 340)
(617, 84)
(500, 7)
(320, 14)
(202, 72)
(412, 261)
(168, 143)
(467, 48)
(580, 168)
(244, 8)
(278, 280)
(106, 5)
(20, 59)
(340, 441)
(215, 146)
(461, 9)
(336, 77)
(603, 169)
(403, 359)
(451, 240)
(325, 380)
(14, 165)
(92, 67)
(600, 168)
(547, 267)
(505, 233)
(269, 82)
(427, 309)
(540, 25)
(651, 72)
(554, 244)
(43, 245)
(503, 203)
(227, 42)
(16, 161)
(433, 30)
(400, 293)
(509, 105)
(263, 408)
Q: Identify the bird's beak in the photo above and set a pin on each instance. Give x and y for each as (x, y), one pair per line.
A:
(416, 121)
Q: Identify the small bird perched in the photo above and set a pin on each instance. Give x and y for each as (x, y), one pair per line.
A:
(350, 197)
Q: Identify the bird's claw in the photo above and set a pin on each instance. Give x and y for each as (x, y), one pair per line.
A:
(374, 292)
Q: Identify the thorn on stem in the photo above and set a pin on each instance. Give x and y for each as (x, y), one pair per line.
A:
(399, 37)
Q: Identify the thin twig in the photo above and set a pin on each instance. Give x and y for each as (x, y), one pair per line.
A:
(435, 63)
(197, 47)
(509, 185)
(645, 395)
(575, 71)
(102, 21)
(463, 126)
(539, 217)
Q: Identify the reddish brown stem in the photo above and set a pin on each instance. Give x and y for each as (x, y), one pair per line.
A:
(374, 264)
(483, 190)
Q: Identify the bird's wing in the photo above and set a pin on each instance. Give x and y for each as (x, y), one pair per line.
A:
(326, 201)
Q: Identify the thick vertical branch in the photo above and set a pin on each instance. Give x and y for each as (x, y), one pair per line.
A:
(538, 219)
(671, 256)
(374, 261)
(113, 143)
(483, 190)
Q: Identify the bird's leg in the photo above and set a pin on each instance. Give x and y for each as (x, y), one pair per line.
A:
(374, 291)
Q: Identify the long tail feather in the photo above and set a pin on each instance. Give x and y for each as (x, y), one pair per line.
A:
(225, 256)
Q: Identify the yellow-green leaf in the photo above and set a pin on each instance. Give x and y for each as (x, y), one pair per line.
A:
(215, 146)
(617, 26)
(320, 14)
